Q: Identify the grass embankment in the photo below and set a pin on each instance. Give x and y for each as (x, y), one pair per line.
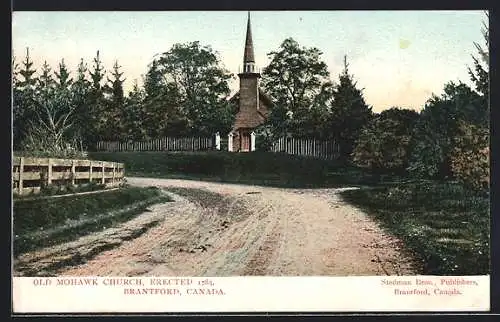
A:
(445, 225)
(261, 168)
(43, 221)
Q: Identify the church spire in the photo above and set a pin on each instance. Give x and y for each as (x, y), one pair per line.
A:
(248, 56)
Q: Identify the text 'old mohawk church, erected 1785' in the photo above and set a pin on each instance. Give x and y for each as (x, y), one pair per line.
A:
(253, 104)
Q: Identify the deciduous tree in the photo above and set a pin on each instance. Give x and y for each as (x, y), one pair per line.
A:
(298, 81)
(195, 74)
(384, 143)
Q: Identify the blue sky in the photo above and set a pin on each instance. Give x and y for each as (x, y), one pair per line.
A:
(398, 57)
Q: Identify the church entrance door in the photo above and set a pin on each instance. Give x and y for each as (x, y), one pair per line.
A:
(245, 141)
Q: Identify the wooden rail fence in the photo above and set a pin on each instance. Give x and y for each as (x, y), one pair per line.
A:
(161, 144)
(307, 147)
(30, 174)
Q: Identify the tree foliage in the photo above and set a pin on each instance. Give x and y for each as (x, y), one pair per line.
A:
(23, 105)
(448, 122)
(96, 102)
(438, 125)
(193, 76)
(115, 101)
(470, 156)
(349, 112)
(82, 130)
(384, 143)
(298, 80)
(480, 73)
(48, 129)
(133, 115)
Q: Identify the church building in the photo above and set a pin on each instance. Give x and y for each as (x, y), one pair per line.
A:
(253, 104)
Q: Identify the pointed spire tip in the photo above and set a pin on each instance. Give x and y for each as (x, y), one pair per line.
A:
(249, 54)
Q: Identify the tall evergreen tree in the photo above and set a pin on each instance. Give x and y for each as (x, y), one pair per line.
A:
(349, 111)
(24, 106)
(62, 92)
(15, 71)
(16, 100)
(480, 73)
(96, 101)
(133, 114)
(63, 79)
(115, 105)
(28, 82)
(46, 84)
(64, 96)
(80, 89)
(97, 74)
(115, 84)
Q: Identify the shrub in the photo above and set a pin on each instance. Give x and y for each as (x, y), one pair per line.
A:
(384, 143)
(470, 159)
(264, 138)
(433, 138)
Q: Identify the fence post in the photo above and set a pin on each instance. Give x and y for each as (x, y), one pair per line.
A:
(21, 170)
(102, 179)
(73, 172)
(114, 167)
(217, 141)
(49, 172)
(230, 142)
(90, 171)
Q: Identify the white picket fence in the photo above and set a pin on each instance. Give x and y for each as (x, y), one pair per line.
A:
(161, 144)
(307, 147)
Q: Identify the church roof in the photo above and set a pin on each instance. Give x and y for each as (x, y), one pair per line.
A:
(262, 95)
(248, 56)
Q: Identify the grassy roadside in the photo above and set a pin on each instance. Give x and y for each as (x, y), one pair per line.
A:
(444, 225)
(43, 222)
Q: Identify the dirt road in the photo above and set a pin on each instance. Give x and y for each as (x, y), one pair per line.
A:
(254, 231)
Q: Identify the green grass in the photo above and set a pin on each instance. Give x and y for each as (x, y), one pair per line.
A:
(444, 225)
(42, 222)
(259, 168)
